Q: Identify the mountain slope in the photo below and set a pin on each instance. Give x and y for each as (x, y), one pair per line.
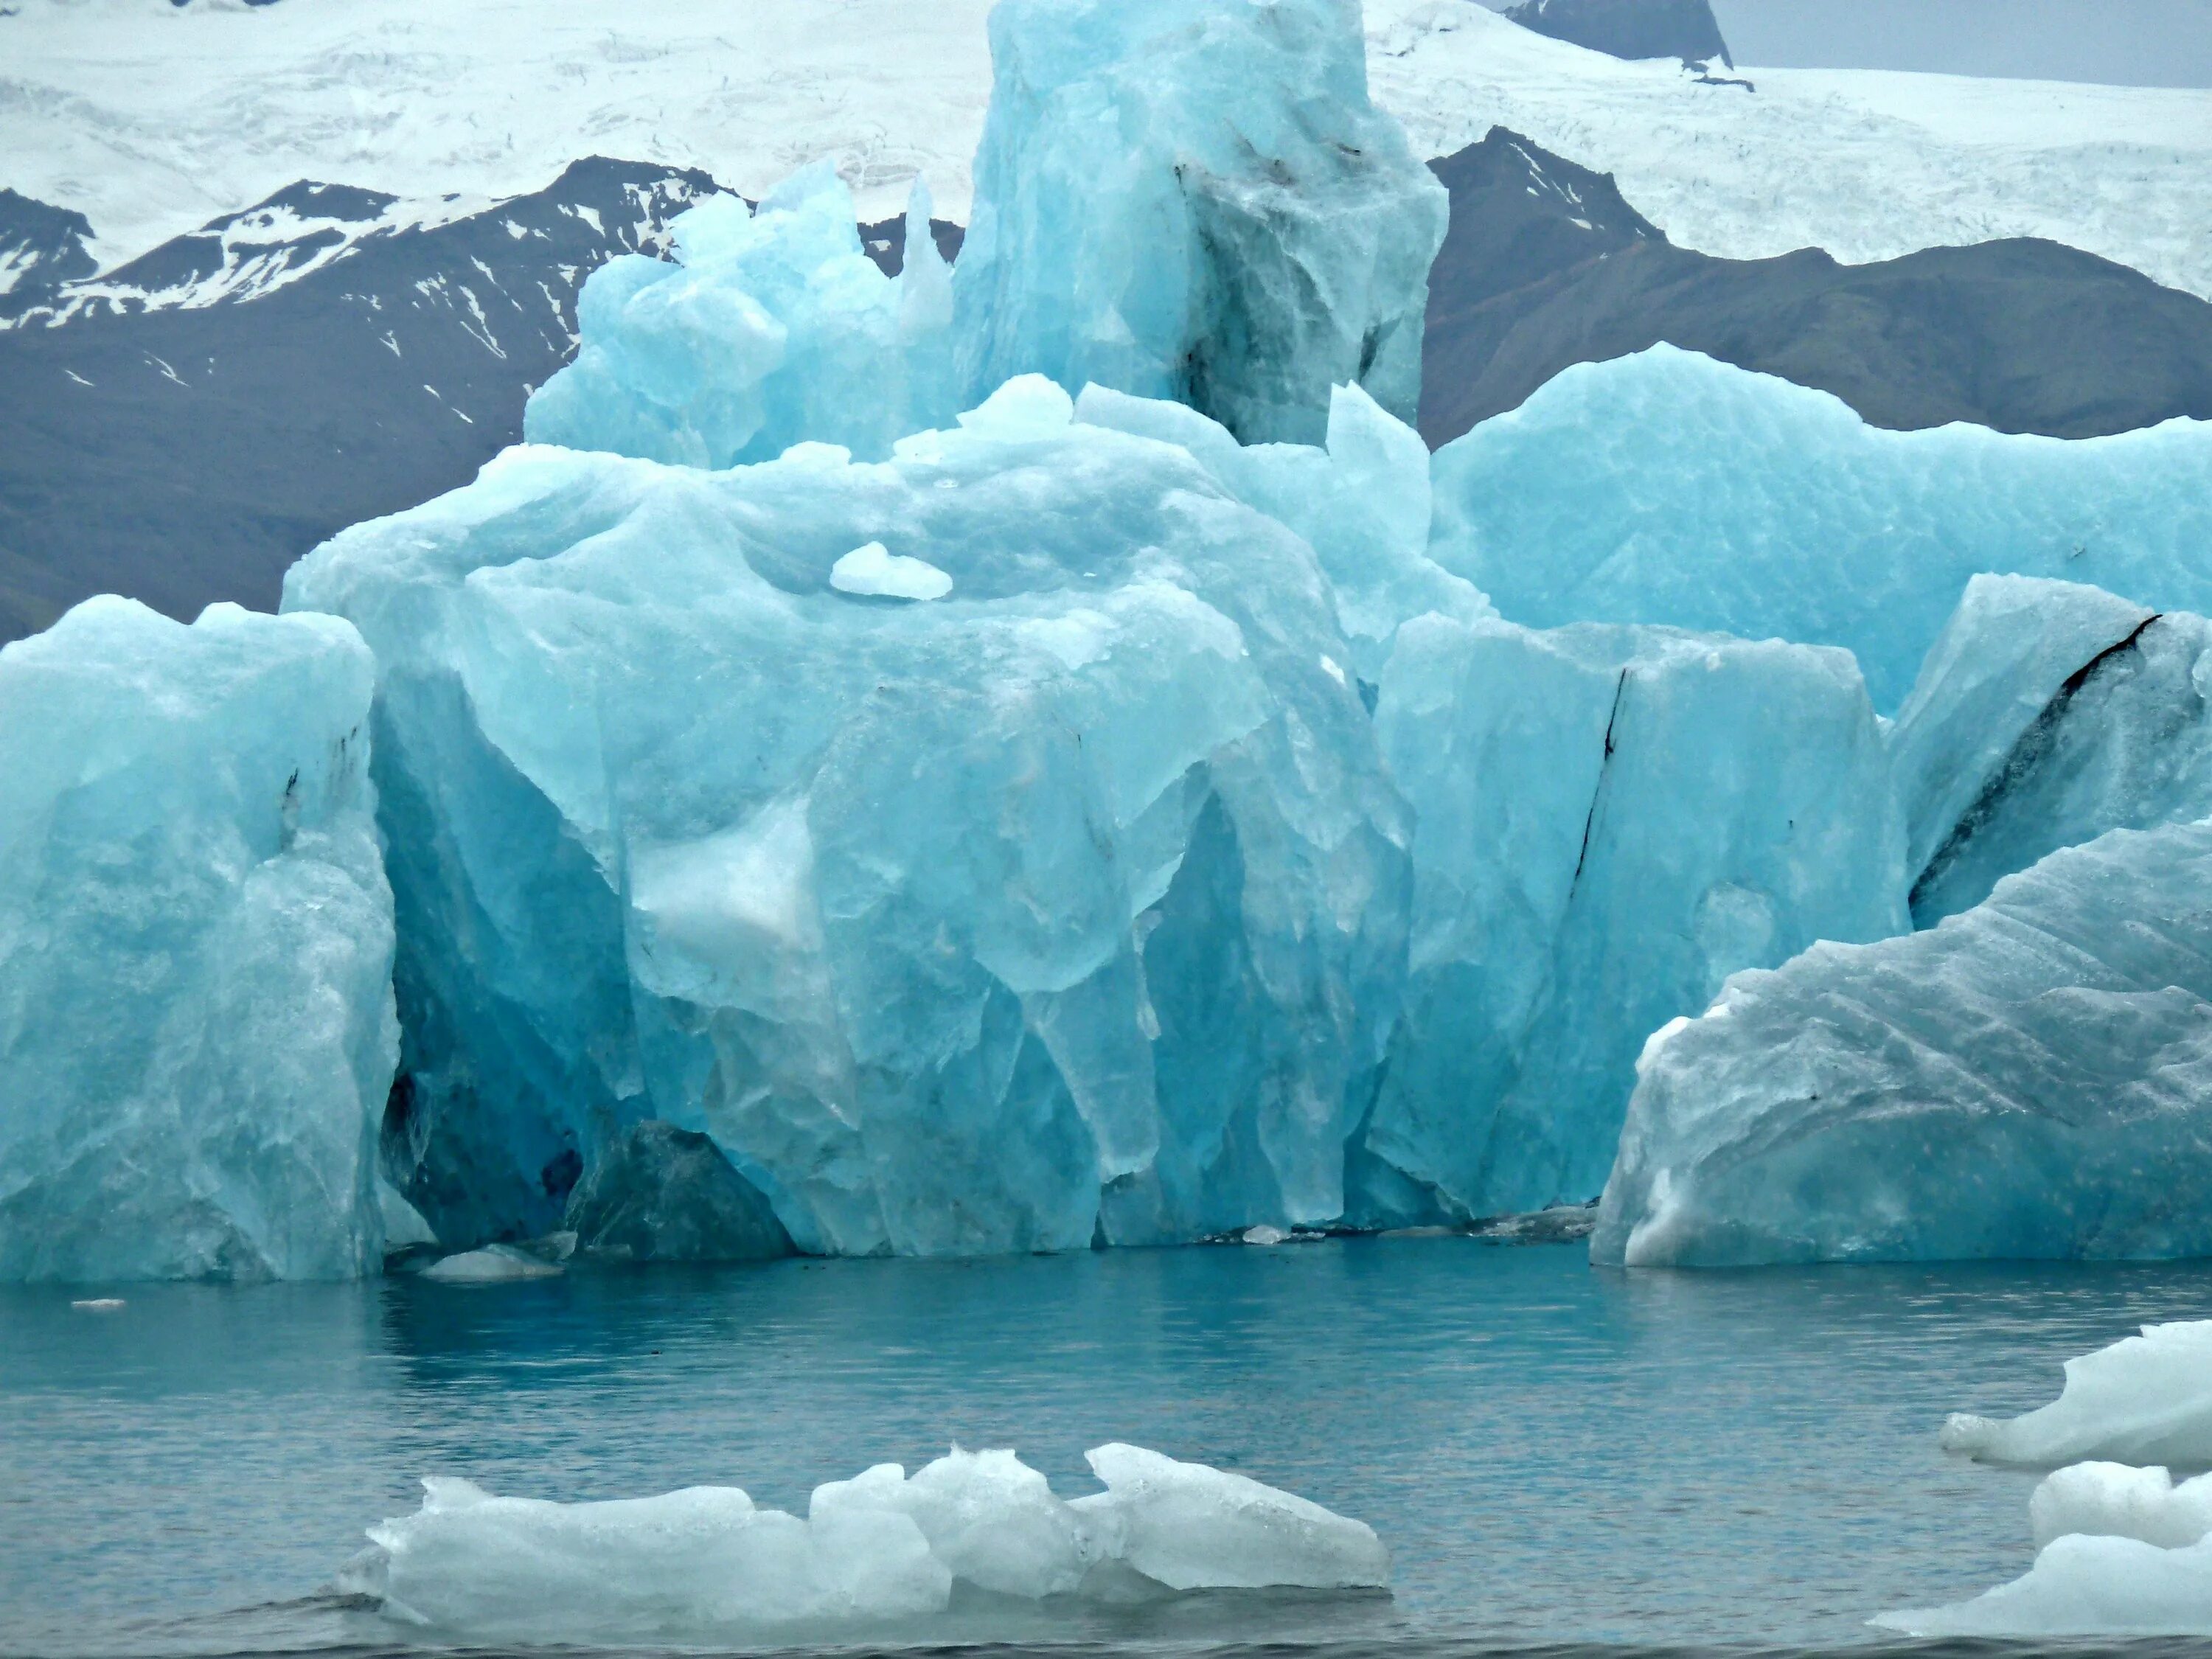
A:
(190, 453)
(1546, 264)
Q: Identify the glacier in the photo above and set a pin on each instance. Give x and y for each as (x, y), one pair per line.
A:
(2027, 1080)
(1667, 488)
(879, 1551)
(1197, 203)
(1608, 822)
(2145, 1399)
(196, 944)
(1122, 964)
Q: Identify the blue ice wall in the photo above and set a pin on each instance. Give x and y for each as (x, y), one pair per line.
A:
(196, 1025)
(1668, 488)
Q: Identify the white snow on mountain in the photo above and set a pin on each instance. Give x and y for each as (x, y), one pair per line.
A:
(152, 119)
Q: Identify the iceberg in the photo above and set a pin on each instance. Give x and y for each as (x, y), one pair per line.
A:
(2046, 714)
(2030, 1079)
(1667, 488)
(1067, 907)
(766, 328)
(2145, 1399)
(1198, 202)
(882, 1549)
(1608, 823)
(495, 1264)
(196, 944)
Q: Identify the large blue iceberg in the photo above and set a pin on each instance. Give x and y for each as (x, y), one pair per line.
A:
(1668, 488)
(196, 1022)
(1608, 823)
(2032, 1078)
(988, 846)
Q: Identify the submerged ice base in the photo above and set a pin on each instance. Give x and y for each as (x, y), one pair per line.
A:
(875, 1552)
(195, 942)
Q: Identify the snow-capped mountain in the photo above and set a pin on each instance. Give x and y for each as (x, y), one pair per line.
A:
(1682, 30)
(1547, 264)
(41, 247)
(183, 451)
(153, 120)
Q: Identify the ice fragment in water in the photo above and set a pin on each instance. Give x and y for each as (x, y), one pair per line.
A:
(879, 1550)
(2032, 1079)
(495, 1264)
(2114, 1500)
(2144, 1400)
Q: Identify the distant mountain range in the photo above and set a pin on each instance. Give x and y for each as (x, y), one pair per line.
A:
(1546, 265)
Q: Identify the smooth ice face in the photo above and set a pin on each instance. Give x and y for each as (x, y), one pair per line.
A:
(2032, 1079)
(1668, 488)
(1069, 905)
(196, 1023)
(1608, 823)
(1196, 202)
(2145, 1399)
(2113, 1500)
(882, 1551)
(767, 329)
(2046, 714)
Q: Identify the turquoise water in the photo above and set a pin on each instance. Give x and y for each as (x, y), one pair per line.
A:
(1554, 1454)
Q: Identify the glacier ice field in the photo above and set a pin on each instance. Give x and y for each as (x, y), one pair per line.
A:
(1035, 753)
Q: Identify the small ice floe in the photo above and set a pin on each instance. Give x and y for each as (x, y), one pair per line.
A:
(100, 1303)
(1264, 1233)
(2144, 1401)
(493, 1264)
(880, 1548)
(2122, 1552)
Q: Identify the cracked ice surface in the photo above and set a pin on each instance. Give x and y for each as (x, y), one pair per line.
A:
(195, 941)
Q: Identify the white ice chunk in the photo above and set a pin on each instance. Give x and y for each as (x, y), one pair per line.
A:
(495, 1264)
(2144, 1400)
(877, 1550)
(2113, 1500)
(873, 569)
(1193, 1527)
(2083, 1585)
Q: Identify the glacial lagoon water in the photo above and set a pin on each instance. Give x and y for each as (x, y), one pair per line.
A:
(1554, 1453)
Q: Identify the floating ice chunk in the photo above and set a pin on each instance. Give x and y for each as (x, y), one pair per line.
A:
(1072, 908)
(2144, 1400)
(2032, 1079)
(1608, 823)
(656, 1192)
(100, 1303)
(767, 328)
(1263, 1233)
(989, 1517)
(1668, 488)
(1189, 1527)
(196, 1035)
(2084, 1586)
(2113, 1500)
(1197, 202)
(872, 569)
(495, 1264)
(879, 1550)
(2046, 714)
